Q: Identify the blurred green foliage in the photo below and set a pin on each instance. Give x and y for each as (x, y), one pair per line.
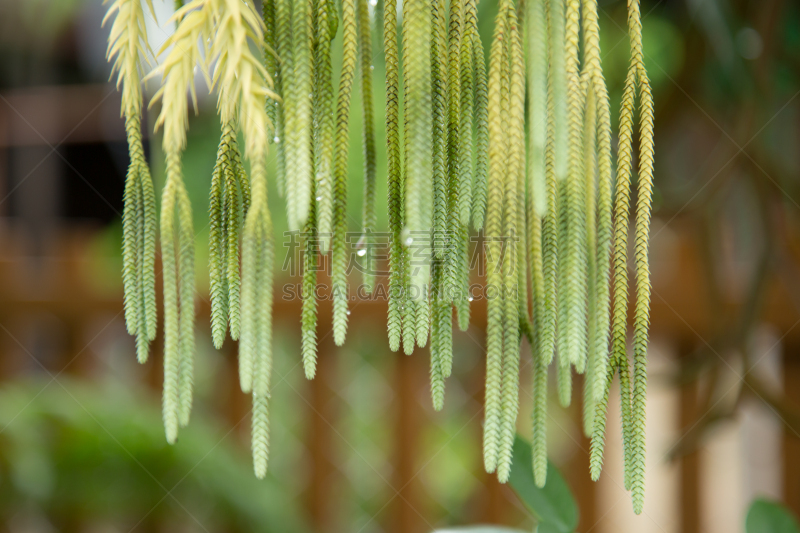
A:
(75, 454)
(766, 516)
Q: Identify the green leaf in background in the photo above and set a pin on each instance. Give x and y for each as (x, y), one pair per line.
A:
(767, 516)
(553, 504)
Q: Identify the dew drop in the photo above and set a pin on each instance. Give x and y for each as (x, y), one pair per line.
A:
(348, 312)
(319, 198)
(470, 298)
(276, 139)
(372, 67)
(361, 253)
(409, 241)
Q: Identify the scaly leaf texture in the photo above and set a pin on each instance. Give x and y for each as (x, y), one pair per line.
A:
(445, 310)
(576, 253)
(482, 135)
(514, 194)
(564, 380)
(439, 132)
(590, 178)
(243, 85)
(498, 152)
(466, 112)
(272, 65)
(393, 175)
(564, 375)
(438, 308)
(539, 364)
(339, 245)
(539, 440)
(308, 321)
(537, 41)
(555, 148)
(217, 247)
(441, 322)
(237, 191)
(127, 41)
(463, 301)
(599, 423)
(465, 155)
(326, 23)
(423, 320)
(299, 186)
(602, 293)
(409, 312)
(186, 290)
(195, 23)
(621, 217)
(451, 244)
(627, 422)
(368, 217)
(283, 84)
(641, 246)
(255, 346)
(323, 158)
(177, 252)
(418, 172)
(229, 189)
(274, 68)
(260, 435)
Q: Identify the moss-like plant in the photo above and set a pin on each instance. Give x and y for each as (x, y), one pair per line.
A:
(533, 177)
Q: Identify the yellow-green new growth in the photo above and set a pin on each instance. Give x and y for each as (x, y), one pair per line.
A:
(195, 23)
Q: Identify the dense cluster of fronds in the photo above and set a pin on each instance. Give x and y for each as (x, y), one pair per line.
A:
(536, 185)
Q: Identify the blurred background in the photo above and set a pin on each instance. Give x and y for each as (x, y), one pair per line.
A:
(359, 449)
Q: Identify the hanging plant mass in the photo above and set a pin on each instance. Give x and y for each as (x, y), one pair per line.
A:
(517, 151)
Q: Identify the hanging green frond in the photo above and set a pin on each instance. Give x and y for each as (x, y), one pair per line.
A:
(418, 172)
(283, 84)
(440, 109)
(514, 99)
(543, 202)
(339, 244)
(482, 134)
(575, 252)
(299, 132)
(498, 150)
(177, 256)
(230, 198)
(368, 216)
(255, 345)
(394, 177)
(127, 42)
(326, 22)
(308, 320)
